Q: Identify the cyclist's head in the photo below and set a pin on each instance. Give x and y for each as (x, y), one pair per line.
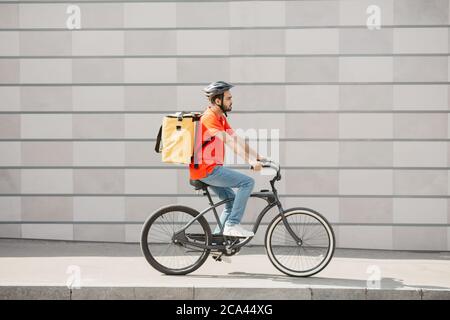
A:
(219, 94)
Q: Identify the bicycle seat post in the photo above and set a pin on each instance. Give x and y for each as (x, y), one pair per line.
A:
(216, 215)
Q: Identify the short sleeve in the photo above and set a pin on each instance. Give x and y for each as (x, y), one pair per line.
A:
(212, 126)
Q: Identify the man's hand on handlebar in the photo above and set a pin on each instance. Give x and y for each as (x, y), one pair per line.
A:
(255, 165)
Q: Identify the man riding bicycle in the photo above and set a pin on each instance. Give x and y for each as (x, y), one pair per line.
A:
(177, 240)
(208, 166)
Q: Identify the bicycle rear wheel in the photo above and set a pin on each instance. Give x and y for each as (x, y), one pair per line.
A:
(159, 247)
(307, 257)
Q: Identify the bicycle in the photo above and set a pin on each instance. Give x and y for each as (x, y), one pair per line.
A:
(298, 241)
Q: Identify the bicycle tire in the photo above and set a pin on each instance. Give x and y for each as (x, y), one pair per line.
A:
(152, 260)
(277, 264)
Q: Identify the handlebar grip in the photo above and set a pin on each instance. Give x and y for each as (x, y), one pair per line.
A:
(266, 164)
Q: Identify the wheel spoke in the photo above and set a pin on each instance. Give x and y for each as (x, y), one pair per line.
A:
(310, 254)
(166, 253)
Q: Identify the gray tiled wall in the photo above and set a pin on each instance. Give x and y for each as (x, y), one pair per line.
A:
(363, 115)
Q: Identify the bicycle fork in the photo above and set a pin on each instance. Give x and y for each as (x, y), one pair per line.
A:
(297, 240)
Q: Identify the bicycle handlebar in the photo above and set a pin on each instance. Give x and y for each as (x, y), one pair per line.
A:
(270, 164)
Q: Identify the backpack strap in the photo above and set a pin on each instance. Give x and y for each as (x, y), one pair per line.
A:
(158, 141)
(196, 152)
(198, 137)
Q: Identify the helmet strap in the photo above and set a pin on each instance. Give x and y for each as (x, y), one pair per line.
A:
(221, 105)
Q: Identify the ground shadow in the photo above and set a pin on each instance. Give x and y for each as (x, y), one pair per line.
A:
(58, 248)
(385, 283)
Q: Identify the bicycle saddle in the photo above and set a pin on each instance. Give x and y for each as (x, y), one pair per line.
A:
(198, 185)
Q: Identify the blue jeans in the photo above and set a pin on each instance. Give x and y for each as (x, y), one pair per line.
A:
(221, 180)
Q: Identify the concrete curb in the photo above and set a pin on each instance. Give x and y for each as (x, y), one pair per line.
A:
(215, 293)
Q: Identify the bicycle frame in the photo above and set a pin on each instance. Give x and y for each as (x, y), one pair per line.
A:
(272, 200)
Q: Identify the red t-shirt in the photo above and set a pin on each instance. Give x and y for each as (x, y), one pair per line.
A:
(212, 154)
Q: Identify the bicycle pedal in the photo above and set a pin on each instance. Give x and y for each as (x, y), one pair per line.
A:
(217, 258)
(221, 258)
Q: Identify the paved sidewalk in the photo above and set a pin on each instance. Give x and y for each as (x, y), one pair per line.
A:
(36, 269)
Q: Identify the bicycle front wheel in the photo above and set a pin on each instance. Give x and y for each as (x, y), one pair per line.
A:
(159, 247)
(308, 256)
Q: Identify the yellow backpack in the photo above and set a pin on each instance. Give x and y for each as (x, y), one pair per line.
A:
(177, 137)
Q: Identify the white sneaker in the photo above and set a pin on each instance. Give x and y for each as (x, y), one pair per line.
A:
(237, 231)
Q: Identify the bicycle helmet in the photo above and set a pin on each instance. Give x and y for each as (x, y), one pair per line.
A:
(217, 89)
